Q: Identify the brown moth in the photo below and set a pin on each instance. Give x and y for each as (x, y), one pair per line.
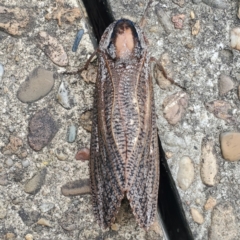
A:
(124, 153)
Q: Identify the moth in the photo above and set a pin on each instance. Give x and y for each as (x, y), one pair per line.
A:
(124, 153)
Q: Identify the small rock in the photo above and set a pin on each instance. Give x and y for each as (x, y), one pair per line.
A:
(223, 225)
(185, 174)
(161, 75)
(210, 204)
(13, 20)
(9, 162)
(230, 145)
(86, 120)
(226, 55)
(42, 130)
(63, 96)
(29, 218)
(115, 226)
(222, 4)
(196, 28)
(89, 75)
(235, 38)
(179, 2)
(45, 207)
(77, 40)
(197, 216)
(83, 154)
(164, 19)
(3, 179)
(192, 15)
(15, 143)
(225, 84)
(3, 210)
(25, 163)
(70, 227)
(35, 183)
(72, 133)
(44, 222)
(168, 155)
(239, 92)
(37, 85)
(178, 21)
(78, 187)
(174, 107)
(208, 168)
(60, 155)
(52, 48)
(29, 237)
(10, 236)
(221, 109)
(63, 13)
(1, 72)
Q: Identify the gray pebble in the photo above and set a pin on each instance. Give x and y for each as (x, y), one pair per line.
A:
(1, 72)
(9, 162)
(25, 163)
(45, 207)
(72, 132)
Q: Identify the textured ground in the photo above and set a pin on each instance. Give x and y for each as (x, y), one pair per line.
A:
(196, 54)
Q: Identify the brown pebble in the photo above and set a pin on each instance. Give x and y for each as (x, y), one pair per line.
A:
(86, 120)
(225, 84)
(83, 154)
(230, 145)
(210, 204)
(197, 216)
(178, 21)
(196, 28)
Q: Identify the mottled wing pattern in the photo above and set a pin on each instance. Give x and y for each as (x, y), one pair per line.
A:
(124, 148)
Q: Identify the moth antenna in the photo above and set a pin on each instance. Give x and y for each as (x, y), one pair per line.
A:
(142, 22)
(152, 59)
(85, 65)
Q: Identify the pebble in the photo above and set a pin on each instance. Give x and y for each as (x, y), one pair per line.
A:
(35, 183)
(197, 216)
(222, 4)
(164, 19)
(90, 75)
(78, 187)
(83, 154)
(29, 218)
(239, 92)
(210, 204)
(44, 222)
(185, 175)
(45, 207)
(25, 163)
(196, 28)
(29, 237)
(77, 40)
(10, 236)
(208, 166)
(178, 21)
(192, 15)
(14, 21)
(230, 145)
(3, 179)
(226, 55)
(37, 85)
(3, 210)
(72, 133)
(223, 225)
(179, 2)
(42, 129)
(9, 162)
(61, 156)
(235, 38)
(52, 48)
(221, 109)
(86, 120)
(225, 84)
(1, 72)
(174, 107)
(15, 143)
(161, 78)
(115, 226)
(63, 96)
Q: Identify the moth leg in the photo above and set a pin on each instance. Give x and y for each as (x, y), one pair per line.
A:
(85, 66)
(161, 68)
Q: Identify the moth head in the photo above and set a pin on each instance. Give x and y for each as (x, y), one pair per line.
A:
(124, 40)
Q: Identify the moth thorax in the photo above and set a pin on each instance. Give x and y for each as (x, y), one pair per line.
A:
(124, 40)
